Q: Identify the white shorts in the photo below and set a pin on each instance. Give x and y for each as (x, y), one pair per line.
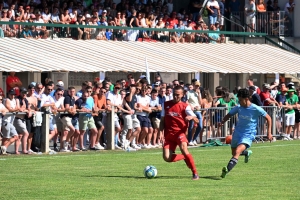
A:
(250, 19)
(221, 21)
(290, 119)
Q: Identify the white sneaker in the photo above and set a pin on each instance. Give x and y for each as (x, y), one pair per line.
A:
(135, 146)
(50, 151)
(31, 152)
(99, 147)
(64, 150)
(3, 150)
(117, 147)
(190, 144)
(145, 146)
(126, 144)
(195, 143)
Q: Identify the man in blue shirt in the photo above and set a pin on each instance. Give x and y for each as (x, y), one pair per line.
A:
(245, 130)
(86, 120)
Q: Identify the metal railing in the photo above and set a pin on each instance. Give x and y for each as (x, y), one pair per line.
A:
(116, 32)
(212, 116)
(274, 23)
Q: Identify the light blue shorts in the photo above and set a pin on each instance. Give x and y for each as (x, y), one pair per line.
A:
(235, 142)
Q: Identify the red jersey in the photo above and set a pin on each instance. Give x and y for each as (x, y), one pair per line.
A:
(172, 23)
(11, 79)
(175, 114)
(264, 96)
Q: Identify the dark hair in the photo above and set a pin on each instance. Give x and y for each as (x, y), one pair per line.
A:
(88, 87)
(58, 90)
(85, 83)
(178, 87)
(71, 88)
(154, 91)
(50, 83)
(243, 93)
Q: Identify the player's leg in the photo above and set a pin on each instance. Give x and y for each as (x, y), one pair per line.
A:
(238, 150)
(169, 151)
(188, 158)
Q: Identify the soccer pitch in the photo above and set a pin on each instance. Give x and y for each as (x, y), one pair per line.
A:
(272, 173)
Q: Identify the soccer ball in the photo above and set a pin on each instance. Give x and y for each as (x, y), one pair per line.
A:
(228, 139)
(150, 171)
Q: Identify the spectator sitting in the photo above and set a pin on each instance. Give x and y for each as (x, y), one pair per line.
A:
(213, 37)
(26, 33)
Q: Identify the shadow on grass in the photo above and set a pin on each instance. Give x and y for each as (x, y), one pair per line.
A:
(158, 177)
(211, 177)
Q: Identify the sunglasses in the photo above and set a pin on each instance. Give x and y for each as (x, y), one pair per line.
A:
(49, 89)
(90, 91)
(117, 88)
(59, 94)
(103, 92)
(39, 88)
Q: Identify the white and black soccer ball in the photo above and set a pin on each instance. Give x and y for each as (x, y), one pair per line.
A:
(150, 171)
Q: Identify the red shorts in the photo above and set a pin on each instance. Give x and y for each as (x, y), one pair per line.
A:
(171, 141)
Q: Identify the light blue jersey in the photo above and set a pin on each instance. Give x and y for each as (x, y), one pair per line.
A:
(245, 129)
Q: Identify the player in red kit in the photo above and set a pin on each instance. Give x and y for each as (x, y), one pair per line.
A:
(175, 117)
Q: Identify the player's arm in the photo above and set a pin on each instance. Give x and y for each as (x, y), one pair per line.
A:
(269, 124)
(225, 119)
(190, 115)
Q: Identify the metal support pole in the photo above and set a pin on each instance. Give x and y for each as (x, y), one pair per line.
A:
(274, 121)
(225, 127)
(45, 132)
(110, 135)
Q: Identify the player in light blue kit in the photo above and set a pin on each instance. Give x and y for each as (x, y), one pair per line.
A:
(245, 130)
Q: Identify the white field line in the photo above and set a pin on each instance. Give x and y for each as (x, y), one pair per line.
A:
(121, 153)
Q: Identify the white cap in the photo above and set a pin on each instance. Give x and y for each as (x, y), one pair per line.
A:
(87, 16)
(142, 76)
(291, 83)
(104, 11)
(60, 84)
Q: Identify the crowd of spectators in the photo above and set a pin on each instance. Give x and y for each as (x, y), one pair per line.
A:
(145, 14)
(74, 115)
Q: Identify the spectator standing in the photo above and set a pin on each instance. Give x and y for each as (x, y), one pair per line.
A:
(13, 82)
(254, 97)
(213, 11)
(250, 83)
(250, 10)
(291, 104)
(194, 100)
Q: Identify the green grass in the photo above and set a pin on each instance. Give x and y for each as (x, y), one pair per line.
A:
(272, 173)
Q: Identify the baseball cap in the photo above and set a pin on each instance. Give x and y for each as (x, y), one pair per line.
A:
(189, 21)
(157, 83)
(12, 92)
(291, 83)
(60, 84)
(23, 90)
(31, 86)
(104, 11)
(87, 16)
(142, 76)
(197, 83)
(266, 85)
(33, 83)
(181, 81)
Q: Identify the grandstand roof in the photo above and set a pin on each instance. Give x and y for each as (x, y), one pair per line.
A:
(94, 56)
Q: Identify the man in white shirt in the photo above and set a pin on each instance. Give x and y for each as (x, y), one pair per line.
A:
(194, 100)
(113, 99)
(48, 101)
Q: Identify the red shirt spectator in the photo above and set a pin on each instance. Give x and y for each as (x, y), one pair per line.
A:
(266, 97)
(13, 82)
(172, 21)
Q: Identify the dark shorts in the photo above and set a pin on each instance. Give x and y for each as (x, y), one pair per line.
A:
(98, 121)
(297, 116)
(171, 141)
(29, 122)
(144, 121)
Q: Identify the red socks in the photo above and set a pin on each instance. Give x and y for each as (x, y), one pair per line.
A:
(190, 163)
(177, 157)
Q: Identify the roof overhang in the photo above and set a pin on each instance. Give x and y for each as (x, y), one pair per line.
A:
(103, 56)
